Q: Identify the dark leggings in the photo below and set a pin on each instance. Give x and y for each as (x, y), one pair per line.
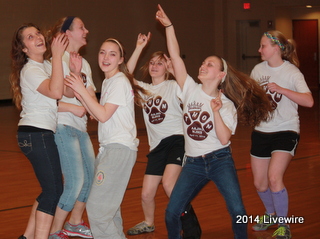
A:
(41, 150)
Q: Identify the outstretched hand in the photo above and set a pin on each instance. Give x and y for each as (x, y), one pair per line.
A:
(162, 17)
(216, 103)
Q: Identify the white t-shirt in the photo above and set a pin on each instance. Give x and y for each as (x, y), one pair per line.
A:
(121, 127)
(285, 116)
(162, 111)
(198, 123)
(68, 118)
(38, 110)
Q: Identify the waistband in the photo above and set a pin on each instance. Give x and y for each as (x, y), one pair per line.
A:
(208, 155)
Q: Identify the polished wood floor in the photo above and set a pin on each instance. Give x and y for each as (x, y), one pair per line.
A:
(19, 186)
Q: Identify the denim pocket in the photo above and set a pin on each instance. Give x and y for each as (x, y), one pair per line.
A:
(223, 155)
(189, 160)
(24, 143)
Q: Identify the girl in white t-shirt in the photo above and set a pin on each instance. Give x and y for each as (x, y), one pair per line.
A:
(274, 142)
(162, 113)
(74, 144)
(117, 138)
(36, 91)
(209, 120)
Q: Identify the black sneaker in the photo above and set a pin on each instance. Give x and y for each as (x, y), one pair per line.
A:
(190, 224)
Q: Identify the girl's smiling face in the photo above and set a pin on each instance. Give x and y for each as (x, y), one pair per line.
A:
(34, 42)
(210, 69)
(78, 33)
(157, 67)
(109, 58)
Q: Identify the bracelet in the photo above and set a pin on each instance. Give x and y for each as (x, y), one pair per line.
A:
(169, 25)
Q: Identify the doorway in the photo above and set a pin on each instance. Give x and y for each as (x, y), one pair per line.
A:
(248, 34)
(305, 33)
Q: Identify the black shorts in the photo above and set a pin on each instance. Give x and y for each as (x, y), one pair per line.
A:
(264, 144)
(170, 150)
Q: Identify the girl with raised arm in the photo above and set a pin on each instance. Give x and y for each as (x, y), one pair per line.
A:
(74, 144)
(36, 90)
(162, 113)
(209, 120)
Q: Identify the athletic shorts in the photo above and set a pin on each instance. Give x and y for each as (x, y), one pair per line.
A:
(264, 144)
(170, 150)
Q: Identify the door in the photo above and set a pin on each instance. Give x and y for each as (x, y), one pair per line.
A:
(249, 35)
(305, 33)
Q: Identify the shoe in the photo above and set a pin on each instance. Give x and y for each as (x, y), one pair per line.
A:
(140, 228)
(264, 223)
(22, 237)
(80, 230)
(58, 235)
(283, 232)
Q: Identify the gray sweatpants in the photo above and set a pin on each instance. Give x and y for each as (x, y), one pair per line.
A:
(113, 168)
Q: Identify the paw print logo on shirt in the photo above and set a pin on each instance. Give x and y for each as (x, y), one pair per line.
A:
(156, 109)
(199, 123)
(274, 97)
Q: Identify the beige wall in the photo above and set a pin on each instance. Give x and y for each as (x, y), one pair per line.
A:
(204, 27)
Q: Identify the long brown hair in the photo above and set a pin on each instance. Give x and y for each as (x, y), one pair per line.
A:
(250, 100)
(123, 68)
(289, 51)
(18, 60)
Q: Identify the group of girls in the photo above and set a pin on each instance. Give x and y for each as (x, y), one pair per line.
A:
(54, 88)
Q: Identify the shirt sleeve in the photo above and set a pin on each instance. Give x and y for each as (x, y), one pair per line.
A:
(118, 92)
(33, 77)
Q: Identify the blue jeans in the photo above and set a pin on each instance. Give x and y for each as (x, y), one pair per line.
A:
(77, 164)
(217, 166)
(42, 152)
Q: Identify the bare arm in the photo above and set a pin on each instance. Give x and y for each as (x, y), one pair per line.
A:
(54, 87)
(222, 131)
(303, 99)
(75, 66)
(173, 47)
(77, 110)
(100, 112)
(142, 41)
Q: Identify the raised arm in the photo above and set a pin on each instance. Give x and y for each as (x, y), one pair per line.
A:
(54, 87)
(142, 41)
(75, 66)
(173, 47)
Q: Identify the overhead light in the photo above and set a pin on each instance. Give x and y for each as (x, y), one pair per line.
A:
(308, 6)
